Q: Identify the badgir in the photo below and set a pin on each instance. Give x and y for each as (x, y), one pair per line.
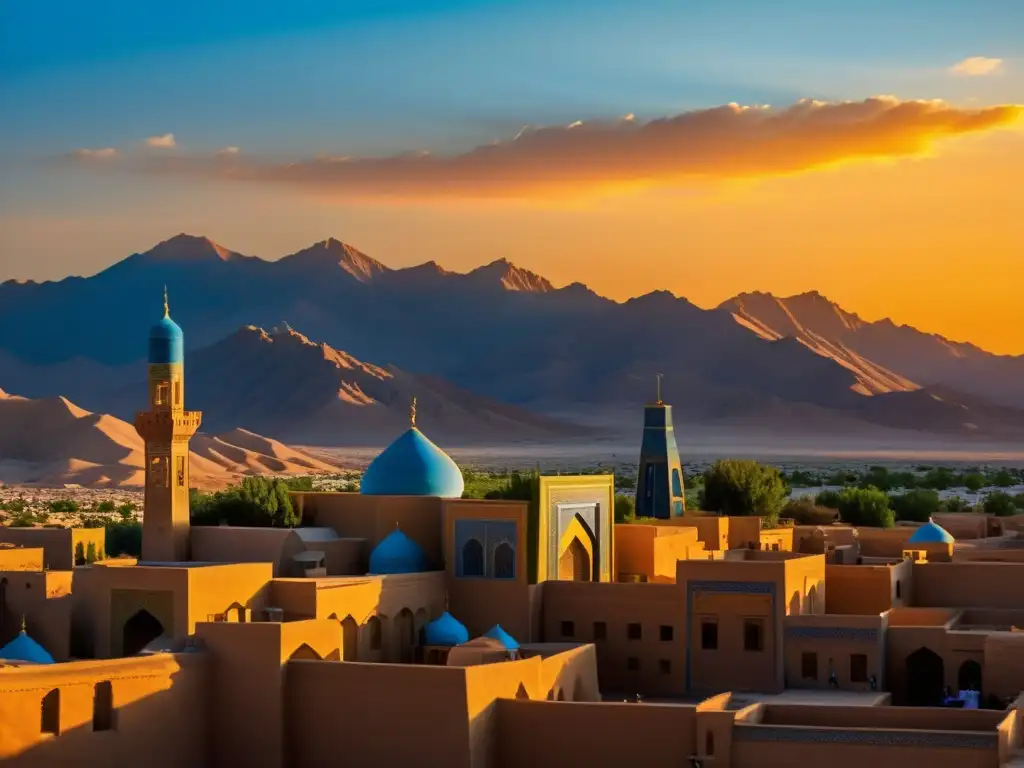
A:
(404, 625)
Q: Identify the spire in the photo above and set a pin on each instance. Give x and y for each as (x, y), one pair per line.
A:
(167, 308)
(23, 622)
(658, 376)
(412, 412)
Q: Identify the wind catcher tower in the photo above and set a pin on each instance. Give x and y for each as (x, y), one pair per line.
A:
(166, 428)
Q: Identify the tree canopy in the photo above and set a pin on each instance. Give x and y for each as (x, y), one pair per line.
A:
(867, 507)
(744, 487)
(261, 502)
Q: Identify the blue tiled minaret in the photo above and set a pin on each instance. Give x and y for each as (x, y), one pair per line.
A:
(659, 484)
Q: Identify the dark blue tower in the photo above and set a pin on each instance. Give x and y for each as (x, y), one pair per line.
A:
(659, 483)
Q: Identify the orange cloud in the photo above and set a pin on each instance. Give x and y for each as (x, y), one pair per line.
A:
(727, 142)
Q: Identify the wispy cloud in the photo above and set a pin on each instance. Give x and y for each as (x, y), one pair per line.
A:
(95, 154)
(228, 151)
(977, 66)
(726, 142)
(165, 141)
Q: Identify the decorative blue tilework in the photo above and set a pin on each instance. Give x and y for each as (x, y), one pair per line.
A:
(886, 738)
(490, 534)
(861, 634)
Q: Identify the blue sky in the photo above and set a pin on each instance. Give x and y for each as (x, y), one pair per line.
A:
(303, 77)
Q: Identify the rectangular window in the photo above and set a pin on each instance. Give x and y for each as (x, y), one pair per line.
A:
(568, 629)
(600, 630)
(809, 666)
(633, 664)
(665, 633)
(858, 668)
(709, 635)
(177, 393)
(180, 472)
(160, 393)
(633, 632)
(665, 666)
(753, 635)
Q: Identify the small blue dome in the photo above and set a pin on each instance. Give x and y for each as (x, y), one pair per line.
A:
(166, 342)
(24, 648)
(397, 553)
(445, 630)
(413, 466)
(931, 533)
(503, 637)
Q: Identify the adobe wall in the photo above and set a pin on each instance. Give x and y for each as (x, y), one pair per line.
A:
(353, 515)
(884, 542)
(161, 717)
(1003, 669)
(333, 715)
(868, 589)
(58, 553)
(650, 665)
(481, 603)
(43, 599)
(832, 641)
(963, 525)
(744, 532)
(777, 539)
(21, 559)
(213, 590)
(969, 585)
(712, 530)
(608, 735)
(768, 746)
(231, 544)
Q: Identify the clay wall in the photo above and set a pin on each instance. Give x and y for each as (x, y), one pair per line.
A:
(158, 714)
(868, 589)
(851, 647)
(58, 544)
(969, 585)
(21, 558)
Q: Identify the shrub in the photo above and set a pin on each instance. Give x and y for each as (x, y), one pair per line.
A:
(63, 505)
(742, 487)
(625, 509)
(805, 512)
(1000, 504)
(867, 507)
(955, 504)
(828, 499)
(917, 505)
(79, 554)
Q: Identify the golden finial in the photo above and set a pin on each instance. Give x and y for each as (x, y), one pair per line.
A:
(412, 412)
(167, 308)
(23, 622)
(658, 376)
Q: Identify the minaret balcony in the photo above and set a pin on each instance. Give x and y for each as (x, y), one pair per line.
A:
(163, 425)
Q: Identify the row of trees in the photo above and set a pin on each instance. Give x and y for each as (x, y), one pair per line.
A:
(925, 477)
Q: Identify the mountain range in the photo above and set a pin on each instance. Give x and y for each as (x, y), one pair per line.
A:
(498, 353)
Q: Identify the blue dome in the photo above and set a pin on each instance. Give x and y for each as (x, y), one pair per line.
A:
(24, 648)
(166, 342)
(397, 553)
(413, 466)
(931, 533)
(445, 630)
(503, 637)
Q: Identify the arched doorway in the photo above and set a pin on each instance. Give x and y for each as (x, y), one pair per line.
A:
(574, 564)
(139, 631)
(925, 678)
(405, 627)
(350, 639)
(969, 676)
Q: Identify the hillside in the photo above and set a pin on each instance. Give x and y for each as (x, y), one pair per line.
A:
(52, 441)
(521, 346)
(884, 356)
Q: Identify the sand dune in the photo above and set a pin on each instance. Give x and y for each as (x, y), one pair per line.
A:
(52, 441)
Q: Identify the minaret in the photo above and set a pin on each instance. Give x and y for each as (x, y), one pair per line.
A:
(659, 484)
(166, 427)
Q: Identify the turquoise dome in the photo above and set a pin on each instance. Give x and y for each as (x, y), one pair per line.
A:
(24, 648)
(503, 637)
(413, 466)
(166, 341)
(445, 630)
(931, 533)
(397, 553)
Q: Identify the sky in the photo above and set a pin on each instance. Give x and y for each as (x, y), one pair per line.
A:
(869, 150)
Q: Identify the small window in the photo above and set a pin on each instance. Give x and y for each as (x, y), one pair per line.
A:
(103, 707)
(600, 630)
(775, 547)
(634, 632)
(709, 635)
(753, 635)
(899, 590)
(160, 393)
(665, 666)
(177, 393)
(709, 745)
(568, 629)
(809, 665)
(181, 471)
(858, 668)
(665, 633)
(50, 714)
(633, 664)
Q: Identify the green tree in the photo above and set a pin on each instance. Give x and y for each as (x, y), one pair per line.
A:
(938, 479)
(1000, 504)
(127, 511)
(63, 505)
(829, 499)
(955, 504)
(1018, 499)
(79, 554)
(974, 481)
(867, 507)
(259, 501)
(105, 507)
(743, 487)
(917, 505)
(804, 511)
(625, 508)
(304, 483)
(1003, 478)
(124, 538)
(90, 553)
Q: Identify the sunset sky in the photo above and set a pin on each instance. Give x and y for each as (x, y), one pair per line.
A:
(870, 150)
